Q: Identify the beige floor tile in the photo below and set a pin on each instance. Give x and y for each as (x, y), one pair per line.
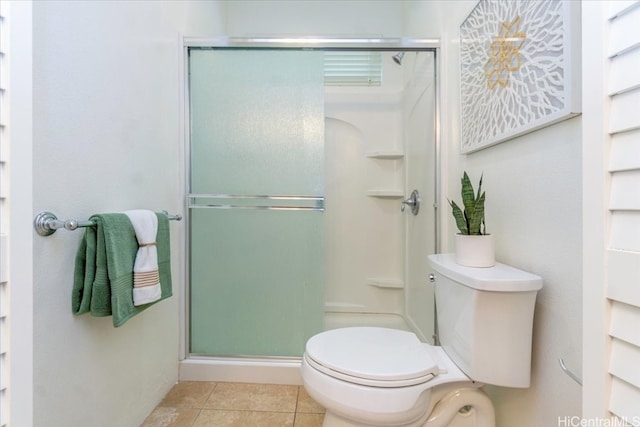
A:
(171, 417)
(308, 420)
(253, 397)
(224, 418)
(188, 394)
(306, 404)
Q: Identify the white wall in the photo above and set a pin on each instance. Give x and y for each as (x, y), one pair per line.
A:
(314, 17)
(106, 138)
(18, 120)
(596, 217)
(533, 186)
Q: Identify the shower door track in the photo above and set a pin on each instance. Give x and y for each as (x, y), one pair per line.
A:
(276, 370)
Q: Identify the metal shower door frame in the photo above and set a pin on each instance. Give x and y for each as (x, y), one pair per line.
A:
(292, 43)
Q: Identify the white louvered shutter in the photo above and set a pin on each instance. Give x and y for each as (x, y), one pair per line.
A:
(623, 249)
(352, 68)
(4, 256)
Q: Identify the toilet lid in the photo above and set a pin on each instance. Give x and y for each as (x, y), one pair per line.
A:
(372, 356)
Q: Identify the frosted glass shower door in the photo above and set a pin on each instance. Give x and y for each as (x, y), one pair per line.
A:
(255, 201)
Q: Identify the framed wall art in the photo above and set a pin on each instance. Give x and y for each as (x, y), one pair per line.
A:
(519, 69)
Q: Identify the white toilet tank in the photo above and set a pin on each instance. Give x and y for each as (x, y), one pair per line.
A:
(485, 319)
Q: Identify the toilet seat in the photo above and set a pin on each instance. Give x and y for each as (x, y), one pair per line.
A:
(371, 356)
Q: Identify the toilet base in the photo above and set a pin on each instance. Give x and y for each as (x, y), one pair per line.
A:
(467, 419)
(333, 420)
(461, 407)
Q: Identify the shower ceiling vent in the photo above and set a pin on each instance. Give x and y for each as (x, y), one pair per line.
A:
(352, 68)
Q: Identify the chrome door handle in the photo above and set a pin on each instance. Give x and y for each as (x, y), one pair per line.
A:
(413, 201)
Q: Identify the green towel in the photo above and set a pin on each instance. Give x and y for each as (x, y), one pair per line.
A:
(103, 280)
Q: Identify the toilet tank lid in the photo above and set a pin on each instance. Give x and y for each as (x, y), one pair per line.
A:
(499, 278)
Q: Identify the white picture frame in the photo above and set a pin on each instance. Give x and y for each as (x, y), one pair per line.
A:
(519, 69)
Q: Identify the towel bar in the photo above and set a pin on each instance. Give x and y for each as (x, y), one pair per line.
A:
(262, 202)
(46, 223)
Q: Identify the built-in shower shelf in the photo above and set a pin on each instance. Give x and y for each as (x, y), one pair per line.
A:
(386, 283)
(386, 193)
(386, 154)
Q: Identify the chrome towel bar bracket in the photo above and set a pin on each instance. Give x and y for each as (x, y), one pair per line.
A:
(568, 372)
(46, 223)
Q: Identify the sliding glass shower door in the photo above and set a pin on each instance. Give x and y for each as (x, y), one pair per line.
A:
(255, 201)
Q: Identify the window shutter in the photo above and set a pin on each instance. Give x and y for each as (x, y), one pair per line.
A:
(623, 252)
(4, 247)
(352, 68)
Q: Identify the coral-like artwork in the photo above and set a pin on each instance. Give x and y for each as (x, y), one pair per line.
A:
(514, 69)
(505, 54)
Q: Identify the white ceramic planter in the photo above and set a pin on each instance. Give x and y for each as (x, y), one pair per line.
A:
(475, 251)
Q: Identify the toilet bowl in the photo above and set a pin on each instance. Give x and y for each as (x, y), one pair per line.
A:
(370, 376)
(399, 386)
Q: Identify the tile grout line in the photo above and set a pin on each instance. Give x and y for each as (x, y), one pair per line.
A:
(201, 406)
(204, 402)
(196, 417)
(295, 410)
(215, 386)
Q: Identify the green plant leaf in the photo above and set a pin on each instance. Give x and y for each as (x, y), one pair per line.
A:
(459, 217)
(477, 216)
(471, 220)
(468, 197)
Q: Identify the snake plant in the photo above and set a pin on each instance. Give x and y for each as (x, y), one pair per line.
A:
(471, 221)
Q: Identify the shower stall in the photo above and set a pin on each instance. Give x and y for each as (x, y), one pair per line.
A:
(302, 157)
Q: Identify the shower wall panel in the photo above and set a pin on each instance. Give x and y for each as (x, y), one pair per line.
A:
(364, 226)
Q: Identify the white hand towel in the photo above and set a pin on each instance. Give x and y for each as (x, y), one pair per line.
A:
(146, 280)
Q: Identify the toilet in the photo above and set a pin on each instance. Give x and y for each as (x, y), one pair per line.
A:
(371, 376)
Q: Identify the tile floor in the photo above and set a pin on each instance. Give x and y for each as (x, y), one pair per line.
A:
(219, 404)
